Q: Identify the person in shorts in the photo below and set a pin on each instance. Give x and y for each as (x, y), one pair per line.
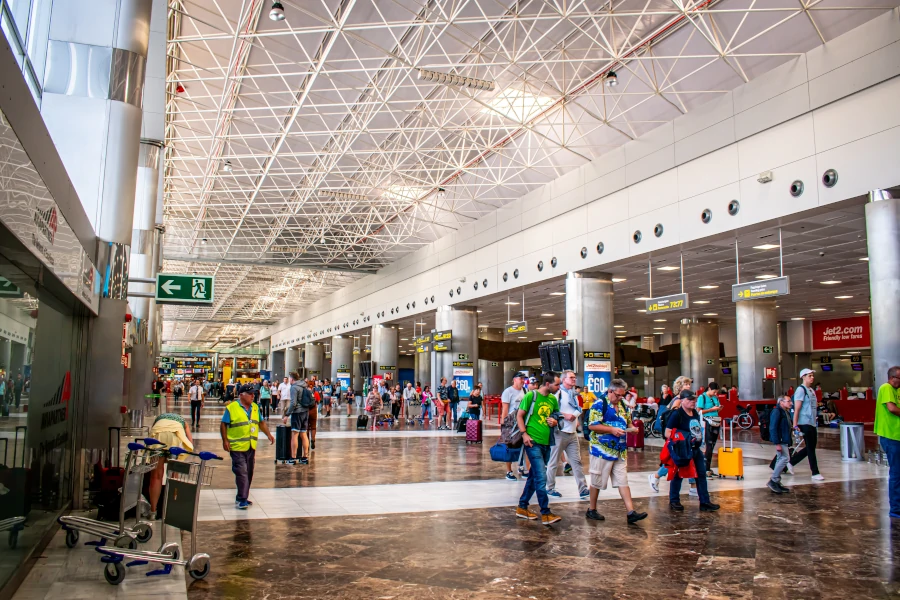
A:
(443, 398)
(609, 422)
(299, 417)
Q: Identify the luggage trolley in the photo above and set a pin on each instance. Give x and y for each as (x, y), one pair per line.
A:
(180, 506)
(139, 460)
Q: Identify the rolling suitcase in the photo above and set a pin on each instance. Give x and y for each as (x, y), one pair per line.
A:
(362, 421)
(473, 431)
(731, 459)
(636, 439)
(283, 444)
(111, 476)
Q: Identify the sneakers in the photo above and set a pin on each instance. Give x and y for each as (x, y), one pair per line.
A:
(693, 492)
(784, 490)
(818, 477)
(593, 515)
(550, 519)
(708, 507)
(774, 487)
(304, 461)
(710, 475)
(676, 506)
(790, 468)
(524, 513)
(654, 482)
(510, 476)
(585, 494)
(635, 516)
(243, 505)
(554, 493)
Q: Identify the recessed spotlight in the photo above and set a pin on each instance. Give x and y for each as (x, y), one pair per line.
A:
(642, 310)
(865, 258)
(523, 337)
(541, 328)
(766, 247)
(618, 326)
(818, 309)
(479, 311)
(710, 314)
(618, 279)
(798, 318)
(843, 297)
(659, 320)
(548, 315)
(642, 299)
(668, 268)
(557, 293)
(766, 276)
(227, 166)
(548, 333)
(658, 328)
(511, 303)
(861, 312)
(701, 301)
(708, 287)
(830, 282)
(482, 325)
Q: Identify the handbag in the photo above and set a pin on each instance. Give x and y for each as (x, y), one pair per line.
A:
(516, 437)
(500, 452)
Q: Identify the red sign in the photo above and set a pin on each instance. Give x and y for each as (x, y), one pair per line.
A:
(771, 372)
(839, 334)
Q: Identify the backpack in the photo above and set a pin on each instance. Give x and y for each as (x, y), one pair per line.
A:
(305, 399)
(680, 449)
(586, 420)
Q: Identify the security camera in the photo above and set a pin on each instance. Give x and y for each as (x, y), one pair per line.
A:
(277, 12)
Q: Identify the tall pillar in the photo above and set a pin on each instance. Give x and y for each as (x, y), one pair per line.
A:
(385, 340)
(356, 373)
(314, 359)
(757, 326)
(341, 356)
(291, 360)
(423, 368)
(463, 322)
(589, 314)
(276, 365)
(699, 345)
(16, 358)
(5, 354)
(883, 235)
(490, 372)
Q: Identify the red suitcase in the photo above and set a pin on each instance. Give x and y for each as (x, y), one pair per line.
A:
(473, 431)
(636, 439)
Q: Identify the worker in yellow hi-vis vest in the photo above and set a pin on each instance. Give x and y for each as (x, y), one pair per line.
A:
(240, 428)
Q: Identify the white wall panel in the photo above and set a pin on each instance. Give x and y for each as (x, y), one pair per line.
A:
(607, 211)
(651, 165)
(607, 184)
(858, 75)
(650, 143)
(569, 225)
(780, 146)
(690, 210)
(708, 172)
(566, 202)
(766, 201)
(863, 165)
(865, 39)
(709, 140)
(668, 216)
(857, 116)
(776, 82)
(568, 254)
(705, 116)
(486, 223)
(508, 223)
(606, 164)
(653, 193)
(772, 112)
(509, 248)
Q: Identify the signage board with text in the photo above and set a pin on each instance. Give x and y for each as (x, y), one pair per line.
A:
(464, 378)
(767, 288)
(668, 303)
(517, 327)
(840, 334)
(442, 336)
(440, 346)
(597, 372)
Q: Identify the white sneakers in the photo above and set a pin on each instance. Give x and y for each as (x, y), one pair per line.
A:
(654, 482)
(818, 477)
(790, 468)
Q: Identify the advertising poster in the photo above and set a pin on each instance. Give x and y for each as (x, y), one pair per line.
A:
(344, 379)
(840, 334)
(597, 375)
(464, 378)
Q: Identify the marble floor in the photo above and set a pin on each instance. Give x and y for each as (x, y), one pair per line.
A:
(408, 512)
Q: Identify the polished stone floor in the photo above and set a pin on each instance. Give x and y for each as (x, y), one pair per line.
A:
(408, 512)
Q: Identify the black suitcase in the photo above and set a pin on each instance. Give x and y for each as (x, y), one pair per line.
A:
(283, 444)
(16, 502)
(461, 424)
(362, 421)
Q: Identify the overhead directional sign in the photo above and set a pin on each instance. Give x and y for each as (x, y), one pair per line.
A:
(439, 346)
(517, 327)
(442, 336)
(184, 289)
(9, 290)
(769, 288)
(602, 355)
(462, 363)
(422, 348)
(668, 303)
(424, 339)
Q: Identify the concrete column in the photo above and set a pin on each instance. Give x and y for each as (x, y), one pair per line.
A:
(699, 345)
(463, 322)
(510, 368)
(341, 356)
(490, 373)
(5, 353)
(649, 342)
(314, 359)
(291, 360)
(423, 368)
(276, 365)
(385, 350)
(883, 233)
(357, 378)
(757, 326)
(589, 314)
(16, 358)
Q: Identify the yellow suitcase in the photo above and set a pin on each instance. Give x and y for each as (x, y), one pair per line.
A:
(731, 459)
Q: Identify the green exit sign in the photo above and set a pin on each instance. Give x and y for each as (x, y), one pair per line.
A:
(9, 290)
(184, 289)
(768, 349)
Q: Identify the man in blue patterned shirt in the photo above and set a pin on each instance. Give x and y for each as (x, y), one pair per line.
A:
(610, 422)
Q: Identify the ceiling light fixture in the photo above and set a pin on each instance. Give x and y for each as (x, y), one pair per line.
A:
(798, 318)
(642, 298)
(861, 312)
(557, 293)
(548, 315)
(658, 328)
(618, 326)
(659, 320)
(710, 314)
(830, 282)
(766, 276)
(843, 297)
(818, 309)
(277, 12)
(511, 303)
(701, 301)
(457, 80)
(227, 167)
(541, 328)
(766, 247)
(668, 268)
(612, 80)
(708, 287)
(642, 310)
(618, 279)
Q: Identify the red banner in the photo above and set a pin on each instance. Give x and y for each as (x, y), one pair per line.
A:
(840, 334)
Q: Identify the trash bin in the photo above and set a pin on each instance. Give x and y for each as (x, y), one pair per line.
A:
(853, 445)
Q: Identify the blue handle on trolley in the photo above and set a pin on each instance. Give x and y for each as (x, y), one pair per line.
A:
(153, 442)
(134, 446)
(208, 456)
(176, 451)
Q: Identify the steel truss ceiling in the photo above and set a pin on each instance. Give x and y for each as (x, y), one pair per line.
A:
(312, 142)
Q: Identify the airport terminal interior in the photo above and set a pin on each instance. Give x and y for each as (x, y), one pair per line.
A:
(445, 299)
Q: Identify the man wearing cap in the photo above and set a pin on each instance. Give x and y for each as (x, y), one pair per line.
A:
(509, 402)
(887, 428)
(686, 420)
(240, 428)
(805, 403)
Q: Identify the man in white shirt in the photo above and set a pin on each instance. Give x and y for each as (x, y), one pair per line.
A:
(509, 403)
(567, 439)
(284, 393)
(196, 396)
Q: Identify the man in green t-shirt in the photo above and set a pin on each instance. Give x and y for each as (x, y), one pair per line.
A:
(536, 422)
(887, 428)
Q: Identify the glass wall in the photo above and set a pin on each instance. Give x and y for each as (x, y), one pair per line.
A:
(26, 24)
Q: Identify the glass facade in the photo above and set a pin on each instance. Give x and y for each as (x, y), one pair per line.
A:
(26, 25)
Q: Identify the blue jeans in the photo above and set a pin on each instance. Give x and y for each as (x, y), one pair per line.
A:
(426, 411)
(702, 491)
(453, 411)
(538, 454)
(242, 466)
(892, 449)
